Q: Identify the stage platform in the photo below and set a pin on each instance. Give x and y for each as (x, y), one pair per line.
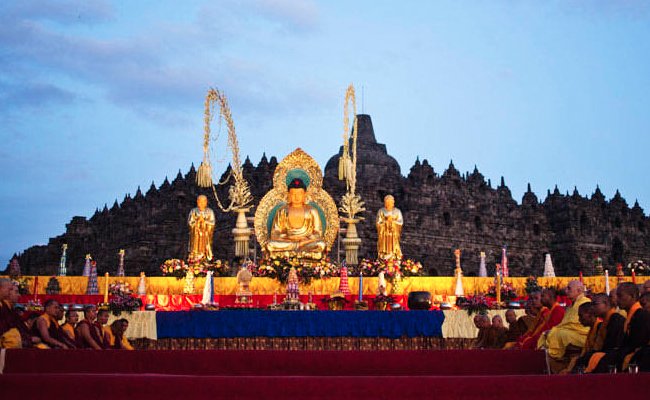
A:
(477, 374)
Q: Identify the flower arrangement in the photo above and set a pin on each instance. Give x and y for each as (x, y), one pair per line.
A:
(174, 267)
(390, 267)
(508, 292)
(474, 304)
(128, 303)
(198, 266)
(279, 267)
(639, 267)
(532, 285)
(120, 289)
(122, 298)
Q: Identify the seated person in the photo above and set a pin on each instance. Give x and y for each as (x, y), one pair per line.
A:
(482, 322)
(644, 300)
(48, 329)
(71, 319)
(89, 334)
(609, 335)
(117, 335)
(13, 332)
(569, 332)
(500, 332)
(516, 328)
(636, 329)
(297, 227)
(527, 340)
(646, 287)
(552, 318)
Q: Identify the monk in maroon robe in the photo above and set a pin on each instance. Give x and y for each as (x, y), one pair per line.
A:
(89, 335)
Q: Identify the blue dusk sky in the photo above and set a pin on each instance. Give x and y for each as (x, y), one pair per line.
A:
(99, 97)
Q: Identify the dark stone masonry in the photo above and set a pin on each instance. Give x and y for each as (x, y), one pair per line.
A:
(441, 211)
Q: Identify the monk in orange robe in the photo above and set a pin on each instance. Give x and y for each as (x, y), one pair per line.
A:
(636, 330)
(606, 333)
(525, 341)
(71, 319)
(117, 335)
(48, 329)
(13, 332)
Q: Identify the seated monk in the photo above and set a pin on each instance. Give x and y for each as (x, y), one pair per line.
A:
(644, 300)
(569, 332)
(488, 337)
(297, 227)
(636, 329)
(71, 319)
(516, 328)
(13, 332)
(89, 334)
(500, 332)
(552, 318)
(529, 318)
(117, 335)
(603, 336)
(48, 329)
(527, 341)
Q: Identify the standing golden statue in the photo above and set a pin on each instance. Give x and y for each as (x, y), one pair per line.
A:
(389, 228)
(297, 228)
(201, 222)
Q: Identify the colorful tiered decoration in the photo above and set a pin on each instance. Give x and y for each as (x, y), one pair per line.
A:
(142, 288)
(244, 278)
(86, 271)
(62, 264)
(92, 278)
(293, 292)
(549, 271)
(344, 288)
(189, 282)
(120, 267)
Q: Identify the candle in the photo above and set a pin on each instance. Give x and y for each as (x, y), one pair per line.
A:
(633, 276)
(498, 287)
(360, 287)
(581, 277)
(106, 289)
(35, 288)
(607, 281)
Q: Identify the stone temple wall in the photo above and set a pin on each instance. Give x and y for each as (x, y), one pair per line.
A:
(441, 211)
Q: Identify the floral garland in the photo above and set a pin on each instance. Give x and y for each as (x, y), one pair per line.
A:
(279, 267)
(390, 268)
(199, 267)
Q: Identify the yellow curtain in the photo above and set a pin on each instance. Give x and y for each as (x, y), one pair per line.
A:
(439, 286)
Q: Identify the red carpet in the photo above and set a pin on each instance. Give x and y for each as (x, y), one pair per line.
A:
(276, 363)
(340, 375)
(157, 387)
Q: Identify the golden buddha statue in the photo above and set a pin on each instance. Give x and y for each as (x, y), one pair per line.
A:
(389, 228)
(297, 228)
(201, 222)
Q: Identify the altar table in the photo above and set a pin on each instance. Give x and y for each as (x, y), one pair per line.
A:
(255, 323)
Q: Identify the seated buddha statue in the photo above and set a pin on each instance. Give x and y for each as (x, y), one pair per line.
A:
(297, 228)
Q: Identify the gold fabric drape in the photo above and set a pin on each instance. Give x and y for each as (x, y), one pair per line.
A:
(441, 287)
